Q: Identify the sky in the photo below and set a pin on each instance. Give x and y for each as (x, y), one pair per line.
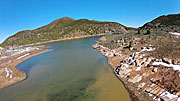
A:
(18, 15)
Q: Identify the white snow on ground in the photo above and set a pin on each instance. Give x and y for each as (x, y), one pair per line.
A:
(11, 73)
(3, 57)
(154, 98)
(150, 94)
(175, 67)
(138, 69)
(151, 49)
(126, 65)
(22, 56)
(8, 72)
(11, 76)
(174, 33)
(169, 95)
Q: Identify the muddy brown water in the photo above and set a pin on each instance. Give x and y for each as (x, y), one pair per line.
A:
(73, 71)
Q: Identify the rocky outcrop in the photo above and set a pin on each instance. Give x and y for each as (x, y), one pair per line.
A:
(166, 60)
(138, 70)
(106, 51)
(149, 64)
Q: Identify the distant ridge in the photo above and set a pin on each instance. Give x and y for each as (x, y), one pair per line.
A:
(164, 21)
(64, 28)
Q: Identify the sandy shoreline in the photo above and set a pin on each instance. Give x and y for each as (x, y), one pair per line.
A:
(20, 74)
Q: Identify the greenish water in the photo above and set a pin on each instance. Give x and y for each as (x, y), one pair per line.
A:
(73, 71)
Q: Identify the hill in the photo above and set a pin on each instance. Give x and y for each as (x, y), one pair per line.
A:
(166, 22)
(148, 61)
(64, 28)
(163, 21)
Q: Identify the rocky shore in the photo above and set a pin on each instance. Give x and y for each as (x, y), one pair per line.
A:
(143, 75)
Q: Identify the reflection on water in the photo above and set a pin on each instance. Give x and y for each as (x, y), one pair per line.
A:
(73, 71)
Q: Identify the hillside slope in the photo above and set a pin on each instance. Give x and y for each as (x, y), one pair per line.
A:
(148, 61)
(172, 20)
(161, 25)
(64, 28)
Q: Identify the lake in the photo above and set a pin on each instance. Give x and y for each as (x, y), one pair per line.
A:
(73, 71)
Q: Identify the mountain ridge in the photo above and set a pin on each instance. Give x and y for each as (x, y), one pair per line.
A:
(163, 21)
(65, 27)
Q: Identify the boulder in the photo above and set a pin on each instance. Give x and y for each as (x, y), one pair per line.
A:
(141, 85)
(166, 60)
(138, 62)
(137, 78)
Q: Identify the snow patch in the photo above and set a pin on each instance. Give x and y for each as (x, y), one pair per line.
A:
(175, 67)
(22, 56)
(169, 95)
(9, 73)
(138, 69)
(145, 49)
(150, 94)
(175, 33)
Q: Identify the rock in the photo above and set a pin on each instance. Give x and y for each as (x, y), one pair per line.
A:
(158, 60)
(176, 62)
(124, 70)
(175, 99)
(166, 60)
(138, 62)
(145, 64)
(178, 93)
(145, 74)
(144, 60)
(141, 85)
(165, 98)
(137, 78)
(155, 70)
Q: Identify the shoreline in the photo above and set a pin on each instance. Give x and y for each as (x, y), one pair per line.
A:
(63, 39)
(131, 95)
(138, 80)
(124, 82)
(113, 64)
(22, 73)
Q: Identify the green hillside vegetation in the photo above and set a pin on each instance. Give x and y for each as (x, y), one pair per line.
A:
(64, 28)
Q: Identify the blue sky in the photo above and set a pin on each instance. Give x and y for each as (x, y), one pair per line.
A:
(18, 15)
